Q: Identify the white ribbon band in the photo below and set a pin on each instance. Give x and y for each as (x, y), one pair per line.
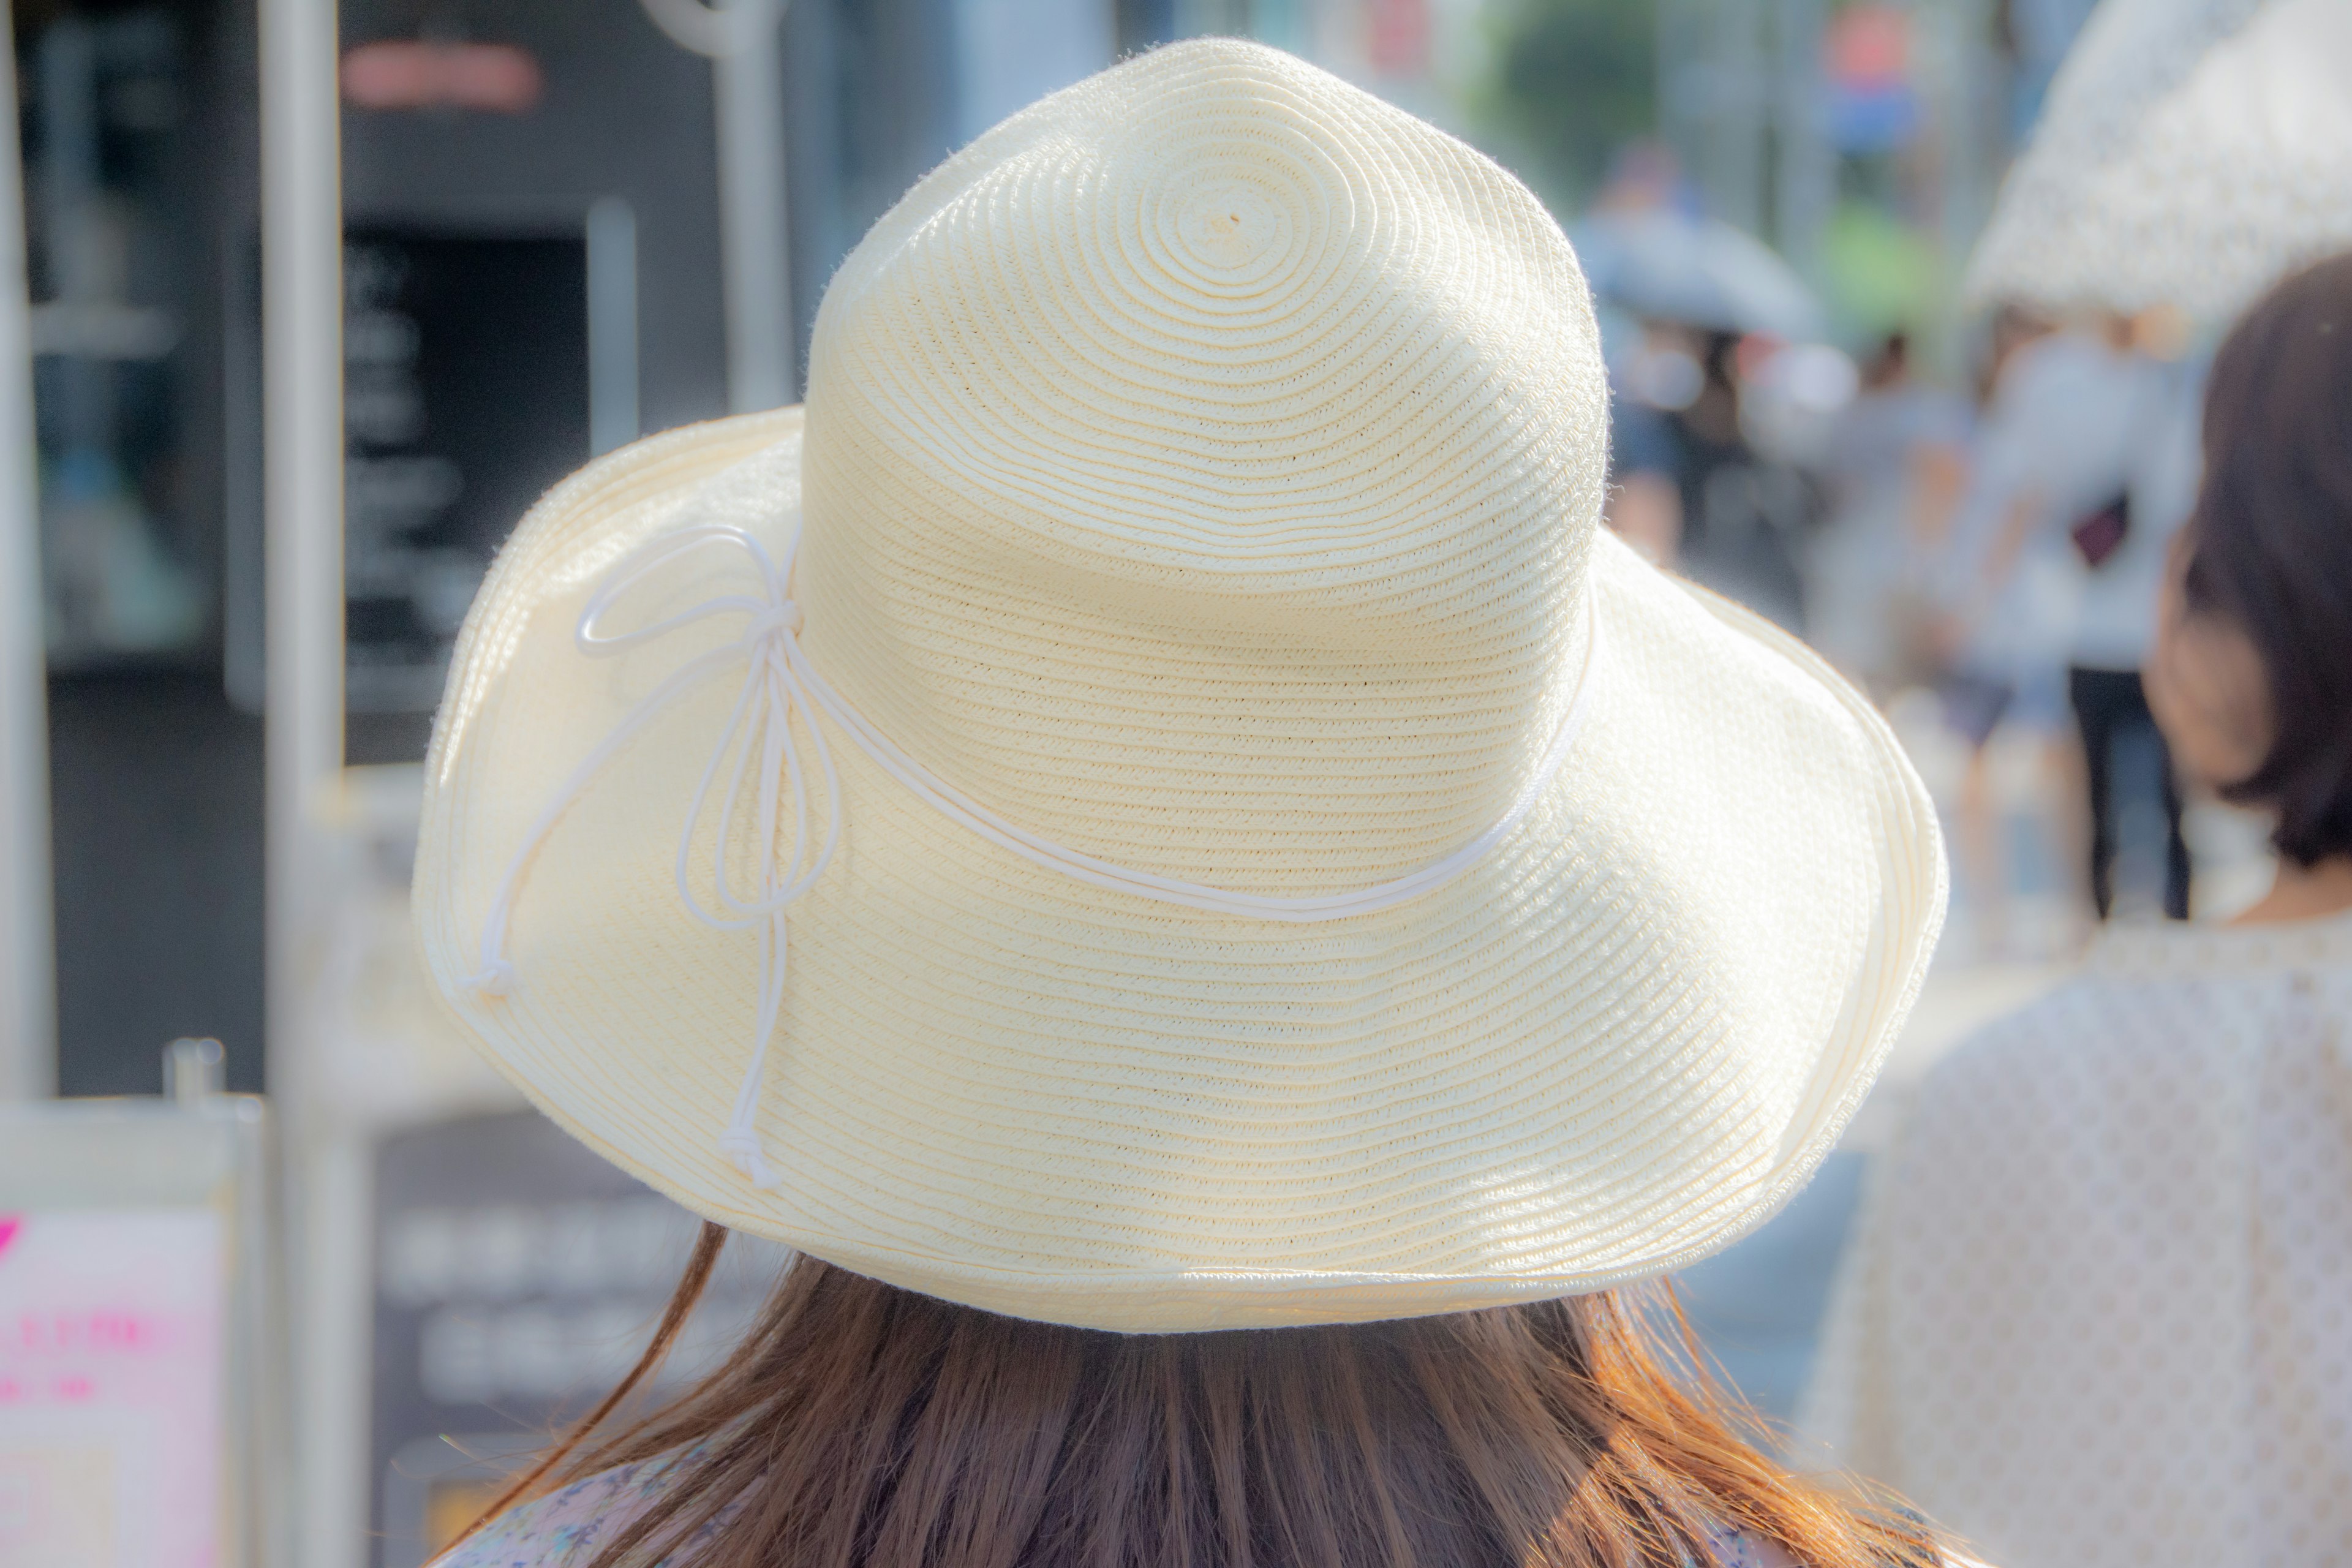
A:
(779, 683)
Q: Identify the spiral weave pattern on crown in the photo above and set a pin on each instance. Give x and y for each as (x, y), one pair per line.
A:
(1212, 343)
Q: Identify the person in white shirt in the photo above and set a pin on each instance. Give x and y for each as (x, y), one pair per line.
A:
(2100, 1309)
(2085, 469)
(2118, 550)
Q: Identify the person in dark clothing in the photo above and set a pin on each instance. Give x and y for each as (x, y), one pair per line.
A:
(2109, 706)
(1693, 491)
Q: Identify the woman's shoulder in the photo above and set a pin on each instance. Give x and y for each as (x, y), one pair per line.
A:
(1738, 1549)
(2147, 1001)
(565, 1528)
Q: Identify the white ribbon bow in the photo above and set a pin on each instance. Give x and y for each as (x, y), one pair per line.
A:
(779, 685)
(759, 723)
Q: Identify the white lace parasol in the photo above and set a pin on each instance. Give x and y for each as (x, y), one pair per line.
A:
(2194, 152)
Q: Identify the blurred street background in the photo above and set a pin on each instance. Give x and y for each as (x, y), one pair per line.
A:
(566, 222)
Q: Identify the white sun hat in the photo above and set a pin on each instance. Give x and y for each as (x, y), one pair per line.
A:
(1152, 804)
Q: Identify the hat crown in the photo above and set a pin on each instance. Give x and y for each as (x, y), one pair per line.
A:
(1223, 366)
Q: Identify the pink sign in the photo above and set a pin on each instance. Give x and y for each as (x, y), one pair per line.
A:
(111, 1344)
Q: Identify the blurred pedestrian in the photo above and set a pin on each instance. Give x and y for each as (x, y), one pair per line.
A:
(1386, 919)
(2097, 1314)
(2084, 471)
(2119, 549)
(1895, 468)
(1691, 491)
(1994, 624)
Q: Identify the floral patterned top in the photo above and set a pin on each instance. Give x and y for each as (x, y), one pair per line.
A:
(566, 1529)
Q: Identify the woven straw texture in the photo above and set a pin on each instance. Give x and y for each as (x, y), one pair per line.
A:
(1200, 471)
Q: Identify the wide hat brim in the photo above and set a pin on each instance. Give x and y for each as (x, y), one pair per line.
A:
(1617, 1043)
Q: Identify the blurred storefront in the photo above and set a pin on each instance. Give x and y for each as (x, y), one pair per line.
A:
(533, 275)
(131, 156)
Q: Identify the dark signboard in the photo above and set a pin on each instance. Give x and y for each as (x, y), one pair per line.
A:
(517, 1277)
(475, 360)
(466, 395)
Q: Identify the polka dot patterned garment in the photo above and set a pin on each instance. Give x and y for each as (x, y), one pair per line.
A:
(2097, 1313)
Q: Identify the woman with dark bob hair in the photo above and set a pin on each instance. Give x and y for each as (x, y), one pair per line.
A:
(1151, 837)
(2101, 1312)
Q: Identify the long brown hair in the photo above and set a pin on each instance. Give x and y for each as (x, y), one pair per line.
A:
(859, 1425)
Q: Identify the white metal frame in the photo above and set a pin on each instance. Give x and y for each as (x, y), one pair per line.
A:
(27, 940)
(743, 39)
(302, 511)
(302, 486)
(748, 81)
